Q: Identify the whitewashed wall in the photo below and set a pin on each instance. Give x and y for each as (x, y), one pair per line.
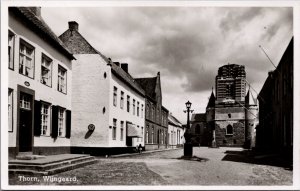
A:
(42, 92)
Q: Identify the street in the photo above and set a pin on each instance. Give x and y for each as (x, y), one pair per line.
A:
(218, 166)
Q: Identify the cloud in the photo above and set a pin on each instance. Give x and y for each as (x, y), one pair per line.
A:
(236, 18)
(186, 44)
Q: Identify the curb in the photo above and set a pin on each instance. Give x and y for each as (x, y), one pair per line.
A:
(145, 152)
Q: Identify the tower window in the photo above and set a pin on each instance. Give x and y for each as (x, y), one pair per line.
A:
(229, 130)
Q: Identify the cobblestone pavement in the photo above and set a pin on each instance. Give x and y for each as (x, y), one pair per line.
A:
(221, 166)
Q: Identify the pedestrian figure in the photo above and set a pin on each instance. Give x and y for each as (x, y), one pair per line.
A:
(140, 148)
(137, 148)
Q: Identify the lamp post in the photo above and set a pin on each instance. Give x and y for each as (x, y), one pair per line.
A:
(188, 147)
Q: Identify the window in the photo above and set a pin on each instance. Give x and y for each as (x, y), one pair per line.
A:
(62, 80)
(147, 111)
(122, 100)
(46, 69)
(128, 103)
(45, 119)
(133, 104)
(122, 130)
(229, 130)
(152, 135)
(61, 122)
(25, 102)
(138, 109)
(142, 134)
(152, 114)
(142, 111)
(114, 132)
(26, 61)
(115, 96)
(147, 134)
(10, 110)
(157, 115)
(11, 47)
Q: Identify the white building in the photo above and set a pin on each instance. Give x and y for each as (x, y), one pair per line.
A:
(107, 104)
(39, 81)
(175, 132)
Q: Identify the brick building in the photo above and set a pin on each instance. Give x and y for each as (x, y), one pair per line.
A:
(108, 105)
(230, 116)
(39, 86)
(275, 130)
(199, 130)
(156, 123)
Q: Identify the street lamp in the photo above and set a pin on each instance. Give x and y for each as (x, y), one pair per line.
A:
(188, 147)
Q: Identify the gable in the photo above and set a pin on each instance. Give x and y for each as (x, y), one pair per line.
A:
(76, 43)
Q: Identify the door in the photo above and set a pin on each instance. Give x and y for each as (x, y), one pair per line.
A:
(25, 123)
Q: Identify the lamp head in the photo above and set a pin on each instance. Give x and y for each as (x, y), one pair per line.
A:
(188, 104)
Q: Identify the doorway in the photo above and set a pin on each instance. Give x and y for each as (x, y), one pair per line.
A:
(25, 122)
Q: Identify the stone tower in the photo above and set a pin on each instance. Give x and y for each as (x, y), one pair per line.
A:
(231, 83)
(230, 110)
(251, 119)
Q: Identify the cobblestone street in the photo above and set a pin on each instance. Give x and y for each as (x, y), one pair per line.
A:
(222, 166)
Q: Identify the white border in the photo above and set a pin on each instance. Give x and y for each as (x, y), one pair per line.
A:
(4, 86)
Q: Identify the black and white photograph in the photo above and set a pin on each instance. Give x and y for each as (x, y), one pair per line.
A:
(149, 95)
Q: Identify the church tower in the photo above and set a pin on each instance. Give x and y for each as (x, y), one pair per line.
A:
(229, 108)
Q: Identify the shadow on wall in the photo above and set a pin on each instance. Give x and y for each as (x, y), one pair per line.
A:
(88, 134)
(253, 157)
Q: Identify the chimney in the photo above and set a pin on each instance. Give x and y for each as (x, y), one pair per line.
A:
(117, 63)
(109, 62)
(158, 73)
(73, 25)
(36, 11)
(124, 66)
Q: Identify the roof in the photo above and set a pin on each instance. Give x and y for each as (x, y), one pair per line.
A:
(119, 72)
(149, 85)
(211, 101)
(198, 117)
(250, 99)
(172, 120)
(40, 27)
(79, 45)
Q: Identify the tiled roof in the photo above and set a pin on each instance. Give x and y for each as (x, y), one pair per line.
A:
(41, 27)
(76, 43)
(172, 120)
(199, 117)
(149, 85)
(119, 72)
(79, 45)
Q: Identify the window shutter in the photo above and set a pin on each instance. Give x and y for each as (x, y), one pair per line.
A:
(68, 125)
(37, 118)
(54, 132)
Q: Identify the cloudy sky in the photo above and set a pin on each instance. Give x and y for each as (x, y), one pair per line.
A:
(186, 44)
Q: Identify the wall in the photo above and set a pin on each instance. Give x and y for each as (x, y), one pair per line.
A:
(238, 137)
(90, 99)
(42, 92)
(115, 112)
(236, 120)
(172, 135)
(275, 129)
(202, 137)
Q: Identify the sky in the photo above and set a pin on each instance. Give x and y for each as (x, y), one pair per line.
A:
(186, 44)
